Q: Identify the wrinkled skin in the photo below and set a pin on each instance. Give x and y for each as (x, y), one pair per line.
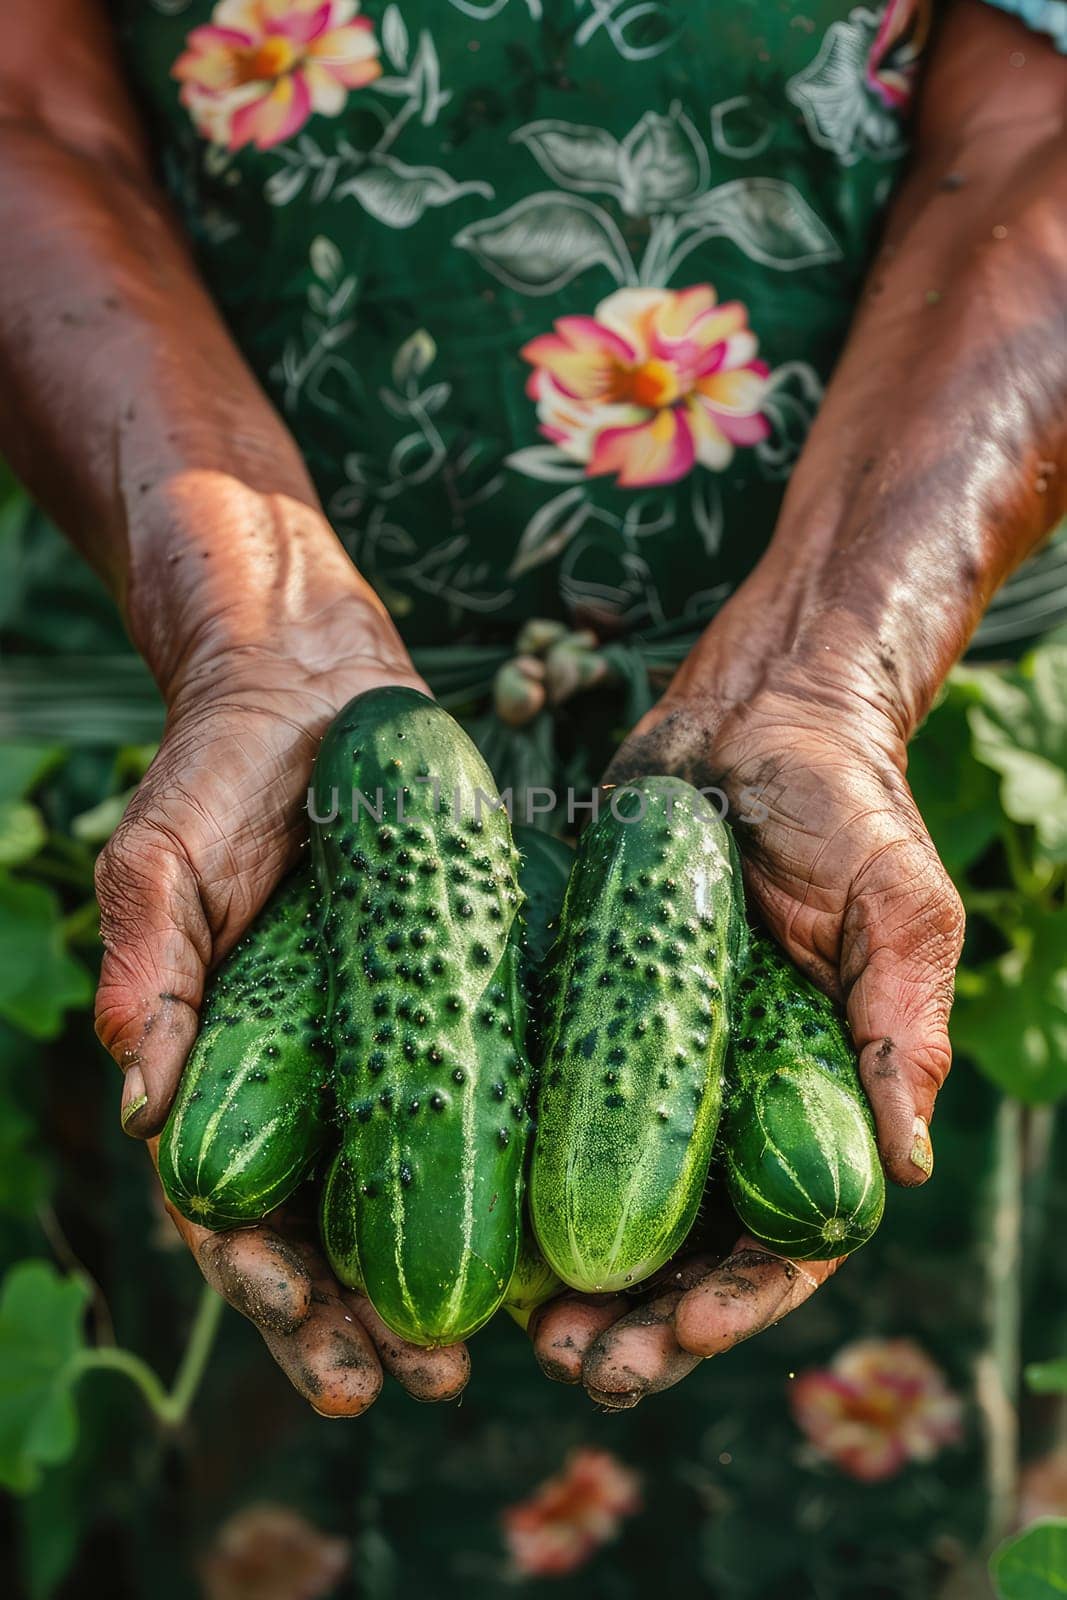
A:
(841, 868)
(844, 873)
(328, 1340)
(218, 818)
(937, 462)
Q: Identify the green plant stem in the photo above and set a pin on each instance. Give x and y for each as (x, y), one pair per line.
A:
(65, 1254)
(170, 1407)
(1035, 883)
(999, 906)
(109, 1358)
(197, 1351)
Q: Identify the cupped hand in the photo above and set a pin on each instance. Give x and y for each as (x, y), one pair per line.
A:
(841, 868)
(217, 821)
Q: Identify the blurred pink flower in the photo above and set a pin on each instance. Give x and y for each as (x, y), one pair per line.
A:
(653, 384)
(893, 63)
(258, 70)
(568, 1517)
(880, 1404)
(270, 1552)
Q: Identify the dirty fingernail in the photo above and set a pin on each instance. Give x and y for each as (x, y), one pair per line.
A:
(559, 1371)
(922, 1151)
(615, 1399)
(134, 1098)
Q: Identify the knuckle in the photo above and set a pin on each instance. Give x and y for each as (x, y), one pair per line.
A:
(151, 914)
(933, 1064)
(137, 865)
(908, 908)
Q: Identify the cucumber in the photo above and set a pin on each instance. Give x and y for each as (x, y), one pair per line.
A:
(651, 936)
(532, 1283)
(427, 1014)
(337, 1217)
(801, 1159)
(251, 1114)
(543, 873)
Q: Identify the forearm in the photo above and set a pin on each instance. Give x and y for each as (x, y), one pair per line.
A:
(939, 458)
(126, 407)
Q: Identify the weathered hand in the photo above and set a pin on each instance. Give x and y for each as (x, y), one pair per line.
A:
(217, 820)
(328, 1340)
(839, 864)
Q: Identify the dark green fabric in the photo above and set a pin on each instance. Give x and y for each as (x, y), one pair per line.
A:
(376, 271)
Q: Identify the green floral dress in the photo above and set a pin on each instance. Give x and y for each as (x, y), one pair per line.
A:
(548, 290)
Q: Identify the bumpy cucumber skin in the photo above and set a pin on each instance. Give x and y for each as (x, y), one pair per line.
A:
(423, 932)
(801, 1159)
(251, 1114)
(651, 936)
(543, 872)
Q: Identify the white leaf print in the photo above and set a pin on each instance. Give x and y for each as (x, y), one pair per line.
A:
(486, 10)
(544, 241)
(341, 297)
(649, 515)
(840, 112)
(651, 31)
(399, 195)
(415, 356)
(550, 530)
(436, 396)
(335, 335)
(706, 502)
(546, 462)
(792, 397)
(414, 459)
(586, 160)
(395, 406)
(284, 185)
(766, 218)
(395, 38)
(326, 260)
(738, 129)
(665, 163)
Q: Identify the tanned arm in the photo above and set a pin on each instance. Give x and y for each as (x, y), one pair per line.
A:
(937, 463)
(131, 416)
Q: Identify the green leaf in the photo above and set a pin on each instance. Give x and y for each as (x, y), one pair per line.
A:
(78, 700)
(95, 826)
(1033, 1565)
(22, 767)
(25, 1180)
(55, 1517)
(41, 1317)
(23, 1177)
(957, 795)
(22, 832)
(1019, 728)
(1048, 1377)
(38, 979)
(1014, 1024)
